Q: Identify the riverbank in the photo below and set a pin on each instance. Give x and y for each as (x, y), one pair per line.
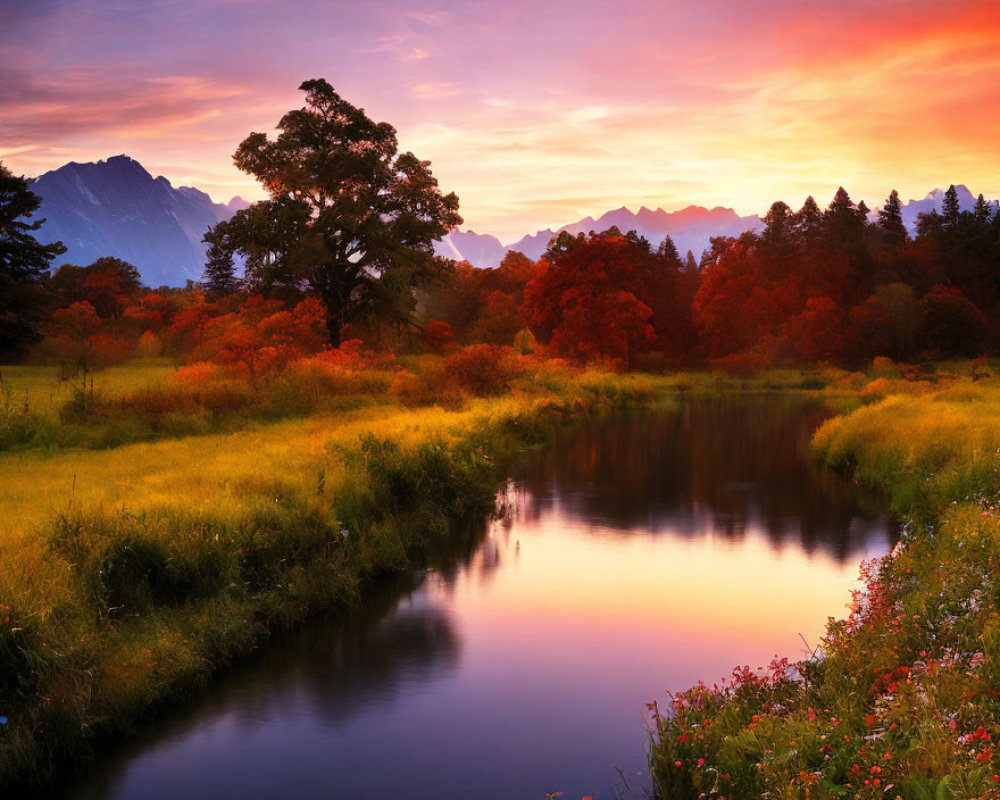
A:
(129, 575)
(130, 572)
(900, 699)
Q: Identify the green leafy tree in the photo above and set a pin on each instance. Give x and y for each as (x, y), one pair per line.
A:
(24, 262)
(564, 242)
(349, 218)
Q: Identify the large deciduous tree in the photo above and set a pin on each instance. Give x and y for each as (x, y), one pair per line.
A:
(24, 261)
(349, 218)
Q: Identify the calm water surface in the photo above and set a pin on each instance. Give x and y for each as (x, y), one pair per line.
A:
(639, 555)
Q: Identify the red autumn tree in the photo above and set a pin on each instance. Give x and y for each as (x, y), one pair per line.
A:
(585, 301)
(743, 299)
(499, 319)
(817, 334)
(438, 336)
(483, 305)
(950, 324)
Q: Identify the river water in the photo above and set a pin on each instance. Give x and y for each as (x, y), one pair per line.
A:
(639, 554)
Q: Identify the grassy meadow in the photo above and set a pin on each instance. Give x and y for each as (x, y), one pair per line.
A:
(44, 390)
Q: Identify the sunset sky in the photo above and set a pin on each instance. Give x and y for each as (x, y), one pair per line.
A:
(534, 113)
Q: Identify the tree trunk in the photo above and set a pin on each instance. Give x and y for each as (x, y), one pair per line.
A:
(333, 328)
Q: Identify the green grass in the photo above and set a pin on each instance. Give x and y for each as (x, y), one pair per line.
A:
(34, 401)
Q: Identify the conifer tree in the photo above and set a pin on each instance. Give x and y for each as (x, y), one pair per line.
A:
(982, 211)
(808, 220)
(890, 220)
(668, 251)
(950, 209)
(24, 262)
(219, 278)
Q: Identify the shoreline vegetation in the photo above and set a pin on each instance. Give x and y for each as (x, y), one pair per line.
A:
(129, 574)
(899, 699)
(162, 521)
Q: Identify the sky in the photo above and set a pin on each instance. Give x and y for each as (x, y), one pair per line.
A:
(535, 113)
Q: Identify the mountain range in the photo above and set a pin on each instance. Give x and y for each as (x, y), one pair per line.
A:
(691, 228)
(116, 208)
(933, 202)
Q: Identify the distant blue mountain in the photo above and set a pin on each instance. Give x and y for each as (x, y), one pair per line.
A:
(934, 201)
(690, 228)
(116, 208)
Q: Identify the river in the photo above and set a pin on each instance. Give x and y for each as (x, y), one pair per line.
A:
(638, 555)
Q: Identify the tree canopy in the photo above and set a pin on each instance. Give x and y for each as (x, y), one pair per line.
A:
(349, 218)
(608, 296)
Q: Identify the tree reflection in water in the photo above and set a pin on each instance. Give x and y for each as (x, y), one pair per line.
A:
(714, 464)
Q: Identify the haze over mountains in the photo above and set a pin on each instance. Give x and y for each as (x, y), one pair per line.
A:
(116, 208)
(690, 228)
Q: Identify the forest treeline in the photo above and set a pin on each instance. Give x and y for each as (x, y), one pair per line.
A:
(342, 249)
(834, 285)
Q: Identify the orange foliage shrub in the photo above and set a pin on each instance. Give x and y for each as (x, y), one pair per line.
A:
(106, 350)
(197, 374)
(262, 338)
(353, 353)
(478, 370)
(483, 369)
(317, 377)
(409, 388)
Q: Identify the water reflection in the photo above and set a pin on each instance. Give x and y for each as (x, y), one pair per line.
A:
(641, 554)
(711, 466)
(307, 684)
